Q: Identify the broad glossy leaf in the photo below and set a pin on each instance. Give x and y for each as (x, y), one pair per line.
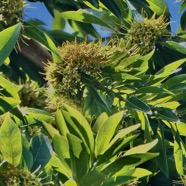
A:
(167, 114)
(99, 122)
(78, 156)
(127, 162)
(170, 68)
(83, 126)
(7, 104)
(159, 7)
(93, 178)
(106, 132)
(61, 147)
(175, 46)
(141, 172)
(58, 166)
(180, 78)
(9, 38)
(113, 7)
(83, 16)
(27, 155)
(50, 129)
(11, 143)
(134, 103)
(70, 183)
(141, 148)
(41, 150)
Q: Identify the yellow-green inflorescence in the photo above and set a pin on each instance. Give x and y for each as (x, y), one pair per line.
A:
(65, 78)
(32, 95)
(144, 34)
(21, 177)
(11, 11)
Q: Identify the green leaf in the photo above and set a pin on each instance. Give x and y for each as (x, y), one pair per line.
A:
(141, 148)
(178, 157)
(159, 7)
(40, 36)
(9, 38)
(41, 150)
(167, 114)
(83, 16)
(180, 78)
(134, 103)
(7, 104)
(127, 163)
(101, 119)
(183, 22)
(27, 155)
(161, 148)
(175, 46)
(50, 129)
(11, 143)
(70, 183)
(106, 132)
(61, 147)
(82, 125)
(61, 124)
(78, 156)
(170, 68)
(113, 7)
(93, 178)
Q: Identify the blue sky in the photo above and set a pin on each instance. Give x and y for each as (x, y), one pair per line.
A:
(38, 11)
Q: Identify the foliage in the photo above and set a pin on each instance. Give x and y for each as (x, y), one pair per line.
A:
(130, 92)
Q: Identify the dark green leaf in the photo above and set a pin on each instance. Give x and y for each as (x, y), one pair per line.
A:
(135, 103)
(167, 114)
(41, 150)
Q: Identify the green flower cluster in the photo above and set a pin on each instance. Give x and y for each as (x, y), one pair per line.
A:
(31, 95)
(144, 34)
(11, 11)
(17, 177)
(65, 78)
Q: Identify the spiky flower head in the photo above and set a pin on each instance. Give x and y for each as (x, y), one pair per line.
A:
(16, 177)
(66, 78)
(11, 11)
(144, 34)
(32, 95)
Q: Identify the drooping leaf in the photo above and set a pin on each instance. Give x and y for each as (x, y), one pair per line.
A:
(11, 143)
(9, 38)
(41, 150)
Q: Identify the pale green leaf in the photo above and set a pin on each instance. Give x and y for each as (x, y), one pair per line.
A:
(106, 132)
(9, 38)
(11, 146)
(141, 148)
